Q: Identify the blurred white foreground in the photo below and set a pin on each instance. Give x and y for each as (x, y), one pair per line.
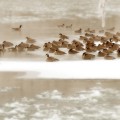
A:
(99, 69)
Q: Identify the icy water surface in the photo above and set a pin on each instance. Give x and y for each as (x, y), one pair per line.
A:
(58, 99)
(96, 103)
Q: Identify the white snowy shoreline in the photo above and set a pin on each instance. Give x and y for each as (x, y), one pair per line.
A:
(97, 69)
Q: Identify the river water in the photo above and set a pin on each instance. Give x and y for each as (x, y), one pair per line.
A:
(34, 10)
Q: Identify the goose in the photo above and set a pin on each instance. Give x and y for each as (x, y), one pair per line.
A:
(118, 33)
(101, 31)
(21, 49)
(30, 40)
(17, 29)
(79, 48)
(7, 44)
(63, 37)
(111, 29)
(52, 50)
(78, 31)
(92, 31)
(64, 45)
(45, 47)
(69, 26)
(101, 54)
(108, 51)
(71, 46)
(59, 52)
(114, 47)
(100, 46)
(108, 57)
(72, 51)
(118, 52)
(23, 45)
(49, 45)
(115, 39)
(31, 48)
(34, 46)
(51, 59)
(109, 34)
(61, 25)
(87, 30)
(91, 49)
(87, 56)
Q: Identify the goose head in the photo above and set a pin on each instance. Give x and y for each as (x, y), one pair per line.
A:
(47, 55)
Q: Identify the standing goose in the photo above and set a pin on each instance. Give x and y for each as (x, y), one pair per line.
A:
(51, 59)
(17, 29)
(30, 40)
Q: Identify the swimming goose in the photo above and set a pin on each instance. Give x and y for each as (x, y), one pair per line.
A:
(115, 39)
(31, 48)
(100, 46)
(59, 52)
(118, 33)
(91, 49)
(61, 25)
(87, 30)
(101, 31)
(108, 57)
(49, 45)
(108, 34)
(108, 51)
(23, 45)
(111, 29)
(79, 48)
(87, 56)
(34, 46)
(71, 46)
(101, 54)
(69, 26)
(46, 47)
(118, 52)
(51, 59)
(114, 47)
(63, 37)
(30, 40)
(52, 50)
(72, 51)
(78, 31)
(92, 31)
(7, 44)
(17, 29)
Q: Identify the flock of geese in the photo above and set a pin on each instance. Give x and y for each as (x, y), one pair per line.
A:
(89, 43)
